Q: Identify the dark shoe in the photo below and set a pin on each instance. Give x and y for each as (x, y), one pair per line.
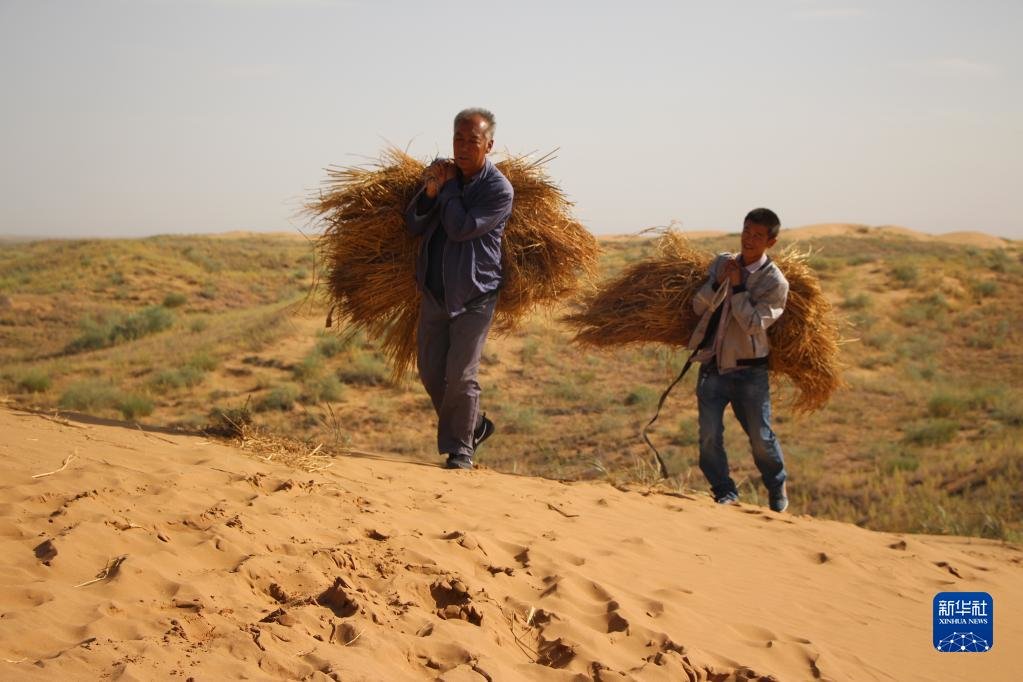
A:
(483, 431)
(458, 462)
(728, 498)
(777, 498)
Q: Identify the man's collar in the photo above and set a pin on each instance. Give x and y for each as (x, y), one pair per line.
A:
(468, 181)
(753, 267)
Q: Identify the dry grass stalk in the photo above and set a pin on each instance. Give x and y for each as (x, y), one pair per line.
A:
(67, 460)
(109, 571)
(651, 302)
(283, 450)
(369, 258)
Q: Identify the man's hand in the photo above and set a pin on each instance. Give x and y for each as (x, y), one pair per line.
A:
(436, 174)
(731, 272)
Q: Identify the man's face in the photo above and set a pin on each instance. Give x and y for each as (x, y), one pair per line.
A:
(471, 144)
(755, 240)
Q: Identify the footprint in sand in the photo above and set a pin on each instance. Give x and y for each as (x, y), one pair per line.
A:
(451, 597)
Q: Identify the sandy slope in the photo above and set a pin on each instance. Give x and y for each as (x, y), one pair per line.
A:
(237, 568)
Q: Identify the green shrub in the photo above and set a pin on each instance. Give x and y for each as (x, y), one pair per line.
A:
(905, 273)
(310, 368)
(858, 302)
(644, 396)
(143, 323)
(34, 381)
(174, 299)
(985, 288)
(133, 406)
(519, 420)
(89, 396)
(947, 405)
(329, 345)
(203, 361)
(198, 325)
(932, 432)
(115, 329)
(530, 349)
(182, 377)
(880, 339)
(281, 398)
(229, 421)
(366, 368)
(323, 389)
(905, 461)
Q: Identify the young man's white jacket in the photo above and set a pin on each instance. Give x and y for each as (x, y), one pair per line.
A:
(753, 308)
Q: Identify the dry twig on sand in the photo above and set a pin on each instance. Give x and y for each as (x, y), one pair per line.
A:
(107, 572)
(67, 460)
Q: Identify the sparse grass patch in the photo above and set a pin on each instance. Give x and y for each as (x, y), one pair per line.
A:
(932, 432)
(175, 299)
(229, 421)
(985, 288)
(33, 380)
(366, 368)
(280, 398)
(182, 377)
(990, 335)
(310, 368)
(94, 396)
(119, 328)
(519, 419)
(905, 273)
(204, 361)
(932, 308)
(642, 396)
(90, 396)
(323, 389)
(859, 301)
(328, 345)
(133, 405)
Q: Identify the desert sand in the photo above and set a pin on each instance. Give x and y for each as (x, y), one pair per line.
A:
(154, 555)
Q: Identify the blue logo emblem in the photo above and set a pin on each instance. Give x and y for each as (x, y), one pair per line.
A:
(964, 622)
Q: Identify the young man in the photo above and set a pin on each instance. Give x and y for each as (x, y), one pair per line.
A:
(460, 212)
(745, 294)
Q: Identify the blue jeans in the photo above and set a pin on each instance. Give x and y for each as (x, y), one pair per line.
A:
(749, 392)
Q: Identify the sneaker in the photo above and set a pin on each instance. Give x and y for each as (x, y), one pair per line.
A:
(483, 431)
(777, 498)
(728, 498)
(458, 462)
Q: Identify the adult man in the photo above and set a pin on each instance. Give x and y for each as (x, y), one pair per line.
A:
(745, 294)
(460, 212)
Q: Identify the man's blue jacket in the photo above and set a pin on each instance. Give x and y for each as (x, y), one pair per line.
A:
(473, 216)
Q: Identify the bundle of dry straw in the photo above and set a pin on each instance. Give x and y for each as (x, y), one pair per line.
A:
(651, 302)
(369, 258)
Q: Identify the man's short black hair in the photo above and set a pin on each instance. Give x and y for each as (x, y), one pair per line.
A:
(766, 218)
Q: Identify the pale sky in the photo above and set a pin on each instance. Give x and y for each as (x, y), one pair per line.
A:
(137, 117)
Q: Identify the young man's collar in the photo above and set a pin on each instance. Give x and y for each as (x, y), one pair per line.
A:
(753, 267)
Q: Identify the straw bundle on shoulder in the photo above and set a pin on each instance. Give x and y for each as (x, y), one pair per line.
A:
(369, 257)
(651, 302)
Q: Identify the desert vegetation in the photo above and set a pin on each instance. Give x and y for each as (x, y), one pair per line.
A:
(181, 331)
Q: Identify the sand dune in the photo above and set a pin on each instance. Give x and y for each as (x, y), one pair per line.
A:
(965, 238)
(978, 240)
(162, 556)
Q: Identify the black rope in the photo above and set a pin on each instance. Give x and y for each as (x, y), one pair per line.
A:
(660, 404)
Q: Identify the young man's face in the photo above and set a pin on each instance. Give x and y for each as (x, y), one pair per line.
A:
(755, 240)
